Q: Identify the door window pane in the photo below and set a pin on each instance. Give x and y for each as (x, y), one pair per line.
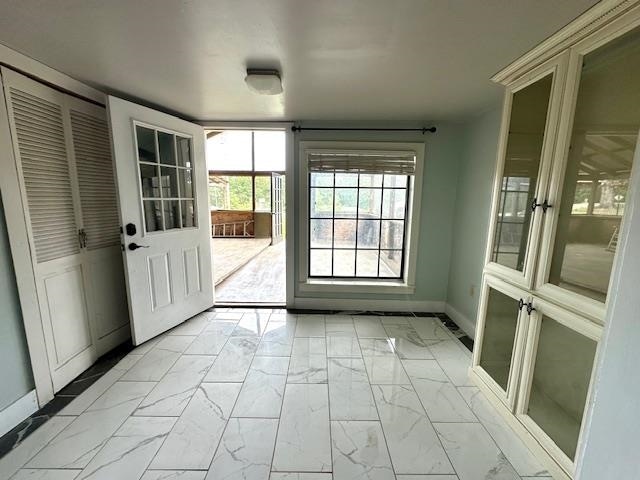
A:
(186, 182)
(146, 140)
(399, 181)
(499, 336)
(188, 214)
(149, 180)
(169, 179)
(166, 146)
(152, 215)
(598, 168)
(346, 179)
(394, 203)
(321, 179)
(371, 180)
(183, 147)
(519, 177)
(263, 194)
(171, 214)
(560, 384)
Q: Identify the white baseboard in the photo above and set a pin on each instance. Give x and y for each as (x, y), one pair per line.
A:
(462, 321)
(18, 411)
(372, 305)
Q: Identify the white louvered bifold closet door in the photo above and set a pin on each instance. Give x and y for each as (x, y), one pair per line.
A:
(64, 164)
(94, 165)
(45, 169)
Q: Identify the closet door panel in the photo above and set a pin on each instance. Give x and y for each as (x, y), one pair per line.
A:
(37, 122)
(103, 272)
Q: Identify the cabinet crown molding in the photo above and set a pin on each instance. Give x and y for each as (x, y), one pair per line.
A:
(591, 20)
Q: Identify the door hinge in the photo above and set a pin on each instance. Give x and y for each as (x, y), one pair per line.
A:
(82, 238)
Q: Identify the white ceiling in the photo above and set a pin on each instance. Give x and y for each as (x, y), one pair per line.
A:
(343, 60)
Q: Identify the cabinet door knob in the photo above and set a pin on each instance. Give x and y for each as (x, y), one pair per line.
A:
(521, 304)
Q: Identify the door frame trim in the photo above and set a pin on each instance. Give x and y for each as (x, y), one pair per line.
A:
(289, 196)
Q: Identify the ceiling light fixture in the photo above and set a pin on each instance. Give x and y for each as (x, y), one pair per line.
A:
(263, 81)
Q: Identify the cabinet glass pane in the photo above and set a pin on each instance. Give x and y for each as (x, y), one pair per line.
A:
(598, 168)
(499, 336)
(520, 175)
(561, 377)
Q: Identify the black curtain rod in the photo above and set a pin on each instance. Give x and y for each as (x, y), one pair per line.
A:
(423, 130)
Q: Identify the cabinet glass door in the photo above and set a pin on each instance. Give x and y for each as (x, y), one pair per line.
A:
(560, 358)
(500, 346)
(598, 167)
(520, 174)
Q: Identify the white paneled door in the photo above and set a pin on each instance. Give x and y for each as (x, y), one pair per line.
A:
(162, 183)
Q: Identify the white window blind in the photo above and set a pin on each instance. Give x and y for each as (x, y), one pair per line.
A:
(391, 163)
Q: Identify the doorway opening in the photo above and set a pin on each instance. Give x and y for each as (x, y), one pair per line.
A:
(247, 205)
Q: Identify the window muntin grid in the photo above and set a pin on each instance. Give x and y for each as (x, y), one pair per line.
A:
(357, 225)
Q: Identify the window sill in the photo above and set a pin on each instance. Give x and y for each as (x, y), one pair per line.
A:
(355, 286)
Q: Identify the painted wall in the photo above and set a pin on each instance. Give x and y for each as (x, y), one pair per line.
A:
(439, 191)
(15, 370)
(471, 216)
(611, 441)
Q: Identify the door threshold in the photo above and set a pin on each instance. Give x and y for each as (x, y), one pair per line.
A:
(249, 305)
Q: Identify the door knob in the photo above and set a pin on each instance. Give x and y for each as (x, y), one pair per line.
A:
(135, 246)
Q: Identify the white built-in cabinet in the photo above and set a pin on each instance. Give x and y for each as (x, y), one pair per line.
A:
(567, 145)
(62, 153)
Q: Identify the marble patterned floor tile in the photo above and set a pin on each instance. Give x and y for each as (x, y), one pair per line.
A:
(351, 401)
(310, 326)
(338, 346)
(309, 346)
(127, 454)
(303, 442)
(193, 326)
(233, 362)
(77, 444)
(307, 369)
(341, 326)
(439, 397)
(174, 475)
(45, 474)
(407, 349)
(172, 394)
(394, 320)
(251, 325)
(359, 451)
(369, 327)
(300, 476)
(473, 452)
(385, 370)
(146, 346)
(430, 328)
(207, 343)
(413, 443)
(453, 359)
(19, 456)
(245, 450)
(376, 347)
(426, 477)
(222, 327)
(195, 436)
(347, 370)
(511, 445)
(91, 394)
(283, 317)
(262, 391)
(275, 348)
(127, 362)
(230, 315)
(279, 331)
(158, 361)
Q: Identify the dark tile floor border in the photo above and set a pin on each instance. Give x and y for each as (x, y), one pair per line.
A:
(15, 436)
